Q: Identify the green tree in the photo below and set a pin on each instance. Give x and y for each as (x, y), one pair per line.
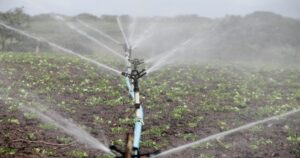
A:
(15, 18)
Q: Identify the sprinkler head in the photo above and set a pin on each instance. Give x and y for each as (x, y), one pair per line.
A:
(136, 62)
(135, 74)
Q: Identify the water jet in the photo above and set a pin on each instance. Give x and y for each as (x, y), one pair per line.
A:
(65, 50)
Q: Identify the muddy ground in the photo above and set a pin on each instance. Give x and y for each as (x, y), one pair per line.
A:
(182, 105)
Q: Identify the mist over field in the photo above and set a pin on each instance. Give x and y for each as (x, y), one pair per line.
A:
(257, 36)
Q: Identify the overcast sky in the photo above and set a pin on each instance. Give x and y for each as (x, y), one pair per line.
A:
(207, 8)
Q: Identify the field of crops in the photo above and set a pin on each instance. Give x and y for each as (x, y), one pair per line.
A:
(182, 103)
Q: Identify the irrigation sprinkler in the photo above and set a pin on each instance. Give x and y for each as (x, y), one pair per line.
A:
(132, 76)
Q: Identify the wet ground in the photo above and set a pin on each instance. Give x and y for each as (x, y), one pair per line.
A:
(182, 104)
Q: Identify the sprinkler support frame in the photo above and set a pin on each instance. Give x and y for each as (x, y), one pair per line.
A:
(132, 76)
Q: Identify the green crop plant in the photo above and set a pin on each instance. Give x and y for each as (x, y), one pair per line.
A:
(126, 121)
(158, 131)
(257, 128)
(276, 95)
(179, 112)
(115, 101)
(195, 121)
(206, 156)
(30, 115)
(105, 156)
(118, 130)
(223, 125)
(31, 136)
(14, 106)
(64, 139)
(98, 119)
(7, 151)
(260, 142)
(13, 121)
(78, 154)
(223, 144)
(190, 137)
(297, 95)
(294, 138)
(274, 110)
(47, 126)
(240, 100)
(206, 145)
(119, 142)
(44, 152)
(93, 101)
(150, 144)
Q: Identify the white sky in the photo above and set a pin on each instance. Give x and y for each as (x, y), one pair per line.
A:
(207, 8)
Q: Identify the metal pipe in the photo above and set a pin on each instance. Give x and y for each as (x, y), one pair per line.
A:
(138, 127)
(129, 86)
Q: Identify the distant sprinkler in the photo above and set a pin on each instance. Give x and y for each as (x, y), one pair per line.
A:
(128, 51)
(136, 62)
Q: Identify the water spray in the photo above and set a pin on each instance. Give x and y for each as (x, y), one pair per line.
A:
(103, 34)
(123, 32)
(225, 133)
(74, 28)
(132, 76)
(61, 48)
(162, 60)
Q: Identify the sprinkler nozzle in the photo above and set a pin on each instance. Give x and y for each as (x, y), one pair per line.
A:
(125, 74)
(135, 74)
